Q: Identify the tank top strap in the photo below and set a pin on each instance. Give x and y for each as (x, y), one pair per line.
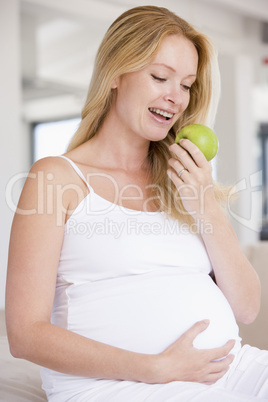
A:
(78, 171)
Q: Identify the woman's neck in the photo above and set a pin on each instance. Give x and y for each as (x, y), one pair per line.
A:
(116, 148)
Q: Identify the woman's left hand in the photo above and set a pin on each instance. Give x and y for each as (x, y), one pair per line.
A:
(192, 175)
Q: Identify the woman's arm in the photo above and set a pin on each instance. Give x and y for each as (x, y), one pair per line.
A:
(233, 273)
(35, 246)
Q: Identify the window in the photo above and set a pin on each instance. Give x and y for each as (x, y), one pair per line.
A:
(52, 138)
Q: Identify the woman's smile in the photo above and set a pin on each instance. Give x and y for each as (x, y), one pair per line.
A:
(161, 114)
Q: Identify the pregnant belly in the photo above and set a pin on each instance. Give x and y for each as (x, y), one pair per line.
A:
(146, 313)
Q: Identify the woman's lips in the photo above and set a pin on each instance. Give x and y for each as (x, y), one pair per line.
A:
(160, 115)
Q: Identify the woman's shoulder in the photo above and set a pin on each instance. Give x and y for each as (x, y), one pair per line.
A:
(53, 169)
(49, 163)
(52, 181)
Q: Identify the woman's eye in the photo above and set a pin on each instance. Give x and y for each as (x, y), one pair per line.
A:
(159, 79)
(186, 88)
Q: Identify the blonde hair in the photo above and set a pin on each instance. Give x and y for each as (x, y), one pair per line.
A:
(129, 45)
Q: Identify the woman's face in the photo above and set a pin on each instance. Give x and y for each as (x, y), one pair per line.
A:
(148, 102)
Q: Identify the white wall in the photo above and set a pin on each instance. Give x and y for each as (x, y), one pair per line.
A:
(238, 153)
(237, 45)
(11, 150)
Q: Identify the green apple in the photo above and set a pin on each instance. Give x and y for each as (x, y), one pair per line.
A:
(203, 137)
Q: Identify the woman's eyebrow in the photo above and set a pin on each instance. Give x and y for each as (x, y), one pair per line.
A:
(171, 68)
(164, 65)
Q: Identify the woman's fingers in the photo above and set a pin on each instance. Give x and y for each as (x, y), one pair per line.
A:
(192, 176)
(177, 173)
(214, 377)
(219, 353)
(188, 153)
(190, 335)
(215, 355)
(184, 362)
(196, 167)
(183, 157)
(218, 369)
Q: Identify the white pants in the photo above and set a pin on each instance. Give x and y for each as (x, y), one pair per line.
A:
(247, 380)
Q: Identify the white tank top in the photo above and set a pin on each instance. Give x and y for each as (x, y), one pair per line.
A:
(136, 280)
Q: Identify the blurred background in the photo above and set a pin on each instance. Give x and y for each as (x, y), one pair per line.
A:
(47, 49)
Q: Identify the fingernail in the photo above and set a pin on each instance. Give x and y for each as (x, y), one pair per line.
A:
(206, 321)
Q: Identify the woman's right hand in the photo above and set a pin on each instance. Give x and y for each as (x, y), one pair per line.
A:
(181, 361)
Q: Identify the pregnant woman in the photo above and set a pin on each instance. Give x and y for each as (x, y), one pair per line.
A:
(125, 279)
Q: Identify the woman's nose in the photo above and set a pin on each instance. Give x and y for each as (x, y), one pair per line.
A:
(174, 96)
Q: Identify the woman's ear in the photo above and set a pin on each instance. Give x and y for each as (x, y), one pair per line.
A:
(115, 83)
